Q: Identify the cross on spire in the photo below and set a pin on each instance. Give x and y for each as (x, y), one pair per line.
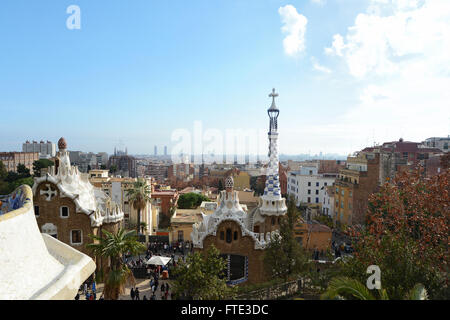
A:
(273, 94)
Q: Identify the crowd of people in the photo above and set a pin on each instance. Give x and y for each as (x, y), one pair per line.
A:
(177, 251)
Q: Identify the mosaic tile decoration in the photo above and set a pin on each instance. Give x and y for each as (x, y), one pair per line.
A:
(12, 201)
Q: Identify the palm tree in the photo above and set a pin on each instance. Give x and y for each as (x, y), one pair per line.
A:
(113, 247)
(344, 286)
(139, 195)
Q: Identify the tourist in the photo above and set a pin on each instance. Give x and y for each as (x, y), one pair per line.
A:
(165, 295)
(85, 288)
(136, 292)
(153, 297)
(162, 287)
(132, 294)
(77, 297)
(145, 297)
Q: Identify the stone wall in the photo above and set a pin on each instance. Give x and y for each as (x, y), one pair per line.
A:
(273, 292)
(244, 246)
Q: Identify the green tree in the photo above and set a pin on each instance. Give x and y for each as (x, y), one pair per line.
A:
(113, 247)
(40, 164)
(191, 200)
(103, 167)
(347, 288)
(284, 257)
(202, 278)
(3, 171)
(139, 196)
(22, 171)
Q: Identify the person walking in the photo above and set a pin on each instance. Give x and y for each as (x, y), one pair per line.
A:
(132, 294)
(136, 292)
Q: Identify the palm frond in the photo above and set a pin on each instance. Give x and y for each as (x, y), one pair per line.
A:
(344, 286)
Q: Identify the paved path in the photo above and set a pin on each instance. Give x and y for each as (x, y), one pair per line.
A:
(144, 289)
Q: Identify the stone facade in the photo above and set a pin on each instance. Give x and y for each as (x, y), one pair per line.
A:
(68, 207)
(242, 246)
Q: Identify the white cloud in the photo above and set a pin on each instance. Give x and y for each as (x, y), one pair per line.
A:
(294, 25)
(317, 66)
(337, 46)
(399, 52)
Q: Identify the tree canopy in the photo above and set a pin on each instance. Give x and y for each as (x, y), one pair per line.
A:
(406, 235)
(40, 164)
(284, 256)
(202, 278)
(191, 200)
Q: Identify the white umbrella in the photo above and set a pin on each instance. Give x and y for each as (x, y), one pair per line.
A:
(158, 260)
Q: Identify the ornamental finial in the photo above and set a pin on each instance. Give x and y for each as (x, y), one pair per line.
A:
(273, 95)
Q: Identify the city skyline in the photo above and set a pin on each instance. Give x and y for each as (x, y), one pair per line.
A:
(138, 72)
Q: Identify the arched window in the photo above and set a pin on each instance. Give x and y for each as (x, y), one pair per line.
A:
(228, 236)
(64, 212)
(50, 229)
(235, 235)
(273, 221)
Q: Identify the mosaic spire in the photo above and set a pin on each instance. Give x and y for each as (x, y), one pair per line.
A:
(272, 189)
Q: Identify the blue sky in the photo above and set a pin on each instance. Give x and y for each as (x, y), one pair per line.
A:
(138, 70)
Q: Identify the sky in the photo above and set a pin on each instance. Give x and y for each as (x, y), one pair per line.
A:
(349, 73)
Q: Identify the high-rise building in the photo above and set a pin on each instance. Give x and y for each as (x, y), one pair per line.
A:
(156, 151)
(45, 149)
(165, 150)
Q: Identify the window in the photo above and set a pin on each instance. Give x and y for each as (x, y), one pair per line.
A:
(342, 192)
(317, 184)
(325, 184)
(273, 221)
(235, 235)
(342, 204)
(222, 235)
(309, 199)
(309, 191)
(75, 237)
(309, 184)
(64, 212)
(228, 236)
(180, 235)
(310, 172)
(317, 191)
(317, 200)
(349, 205)
(36, 211)
(350, 194)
